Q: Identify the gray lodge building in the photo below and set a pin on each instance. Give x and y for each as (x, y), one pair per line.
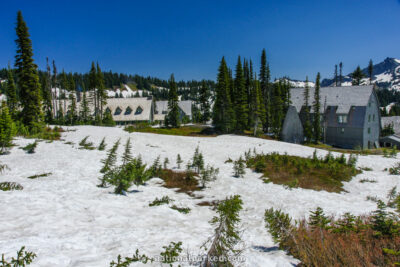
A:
(350, 116)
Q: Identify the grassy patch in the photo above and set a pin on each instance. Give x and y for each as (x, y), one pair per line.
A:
(46, 133)
(377, 151)
(185, 181)
(311, 173)
(39, 175)
(9, 186)
(193, 130)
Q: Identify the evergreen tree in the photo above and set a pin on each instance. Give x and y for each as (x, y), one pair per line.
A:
(92, 80)
(47, 94)
(265, 88)
(257, 106)
(109, 163)
(11, 93)
(307, 117)
(238, 168)
(316, 110)
(54, 92)
(172, 118)
(340, 73)
(7, 128)
(226, 235)
(102, 144)
(204, 98)
(357, 76)
(276, 109)
(336, 76)
(72, 112)
(28, 79)
(223, 114)
(178, 161)
(318, 219)
(127, 156)
(101, 91)
(166, 162)
(241, 109)
(85, 111)
(370, 71)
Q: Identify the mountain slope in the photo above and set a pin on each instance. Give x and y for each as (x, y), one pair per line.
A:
(386, 74)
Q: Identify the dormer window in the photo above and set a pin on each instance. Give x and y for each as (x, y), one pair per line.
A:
(108, 110)
(128, 111)
(342, 118)
(139, 110)
(118, 111)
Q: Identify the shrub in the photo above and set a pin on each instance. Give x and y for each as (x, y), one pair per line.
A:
(184, 181)
(23, 259)
(30, 148)
(161, 201)
(9, 186)
(133, 172)
(395, 170)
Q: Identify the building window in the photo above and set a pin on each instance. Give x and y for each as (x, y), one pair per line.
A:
(128, 111)
(117, 111)
(342, 130)
(342, 118)
(369, 130)
(373, 117)
(138, 111)
(369, 104)
(369, 117)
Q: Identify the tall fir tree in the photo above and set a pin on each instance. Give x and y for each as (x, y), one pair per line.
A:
(101, 91)
(72, 112)
(54, 92)
(27, 77)
(307, 117)
(265, 88)
(85, 111)
(173, 114)
(277, 109)
(47, 94)
(370, 71)
(316, 110)
(336, 76)
(11, 93)
(357, 76)
(204, 98)
(223, 115)
(340, 74)
(92, 80)
(241, 109)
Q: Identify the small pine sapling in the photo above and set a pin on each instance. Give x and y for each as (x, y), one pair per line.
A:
(318, 219)
(128, 260)
(102, 145)
(238, 168)
(23, 259)
(30, 148)
(166, 161)
(127, 156)
(278, 225)
(156, 168)
(171, 252)
(197, 161)
(109, 162)
(208, 174)
(226, 234)
(178, 161)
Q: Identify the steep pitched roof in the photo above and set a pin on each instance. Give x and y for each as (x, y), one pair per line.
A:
(343, 97)
(133, 103)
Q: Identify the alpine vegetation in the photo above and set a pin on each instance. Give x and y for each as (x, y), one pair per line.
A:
(102, 145)
(238, 168)
(30, 148)
(24, 258)
(109, 162)
(178, 161)
(84, 144)
(226, 234)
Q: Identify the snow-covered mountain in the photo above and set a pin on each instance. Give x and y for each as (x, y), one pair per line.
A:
(386, 74)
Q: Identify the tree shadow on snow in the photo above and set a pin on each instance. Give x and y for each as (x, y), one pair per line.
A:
(265, 249)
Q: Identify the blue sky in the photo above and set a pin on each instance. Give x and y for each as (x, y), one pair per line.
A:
(188, 38)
